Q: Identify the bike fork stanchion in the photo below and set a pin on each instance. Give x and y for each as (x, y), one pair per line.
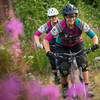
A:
(85, 92)
(58, 71)
(71, 74)
(82, 81)
(74, 94)
(81, 74)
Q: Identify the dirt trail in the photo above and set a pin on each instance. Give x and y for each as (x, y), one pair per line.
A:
(95, 83)
(94, 76)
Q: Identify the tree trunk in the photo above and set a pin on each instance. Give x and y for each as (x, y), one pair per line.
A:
(3, 8)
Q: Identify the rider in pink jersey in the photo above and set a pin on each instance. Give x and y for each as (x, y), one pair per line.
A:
(68, 32)
(45, 28)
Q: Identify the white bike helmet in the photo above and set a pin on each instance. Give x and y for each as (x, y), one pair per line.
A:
(52, 12)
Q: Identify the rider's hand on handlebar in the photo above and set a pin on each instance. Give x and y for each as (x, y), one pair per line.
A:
(94, 47)
(50, 54)
(39, 45)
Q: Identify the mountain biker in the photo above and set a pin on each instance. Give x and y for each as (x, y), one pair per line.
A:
(45, 28)
(69, 38)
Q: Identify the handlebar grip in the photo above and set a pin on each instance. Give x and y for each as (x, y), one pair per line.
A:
(86, 51)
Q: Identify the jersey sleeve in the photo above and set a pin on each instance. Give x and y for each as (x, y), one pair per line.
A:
(48, 37)
(91, 34)
(43, 28)
(56, 30)
(37, 33)
(85, 27)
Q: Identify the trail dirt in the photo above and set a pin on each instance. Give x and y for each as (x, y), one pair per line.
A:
(94, 83)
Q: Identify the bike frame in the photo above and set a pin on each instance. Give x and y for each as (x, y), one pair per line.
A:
(76, 74)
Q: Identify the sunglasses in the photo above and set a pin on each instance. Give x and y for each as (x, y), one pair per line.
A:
(53, 16)
(69, 17)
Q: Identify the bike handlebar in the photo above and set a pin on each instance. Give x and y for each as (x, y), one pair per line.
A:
(60, 55)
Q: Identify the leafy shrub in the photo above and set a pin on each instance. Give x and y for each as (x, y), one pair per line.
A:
(36, 9)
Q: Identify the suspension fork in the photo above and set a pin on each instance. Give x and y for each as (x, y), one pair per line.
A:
(82, 81)
(58, 71)
(76, 75)
(73, 75)
(73, 70)
(81, 74)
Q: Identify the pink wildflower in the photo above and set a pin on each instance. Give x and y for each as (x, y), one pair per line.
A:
(50, 92)
(11, 88)
(15, 48)
(77, 89)
(14, 27)
(34, 90)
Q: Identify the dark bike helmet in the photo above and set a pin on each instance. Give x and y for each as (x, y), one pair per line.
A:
(69, 9)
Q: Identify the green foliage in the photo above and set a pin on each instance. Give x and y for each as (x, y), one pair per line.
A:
(5, 60)
(37, 9)
(34, 57)
(2, 30)
(91, 16)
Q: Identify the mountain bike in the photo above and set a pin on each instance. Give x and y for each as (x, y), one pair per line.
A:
(77, 89)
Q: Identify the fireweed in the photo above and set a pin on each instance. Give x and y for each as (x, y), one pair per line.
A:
(15, 48)
(14, 28)
(78, 89)
(50, 92)
(34, 90)
(13, 87)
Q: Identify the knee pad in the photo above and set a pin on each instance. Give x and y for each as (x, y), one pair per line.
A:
(84, 67)
(83, 63)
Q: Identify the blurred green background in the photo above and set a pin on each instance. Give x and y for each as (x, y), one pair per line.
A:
(33, 13)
